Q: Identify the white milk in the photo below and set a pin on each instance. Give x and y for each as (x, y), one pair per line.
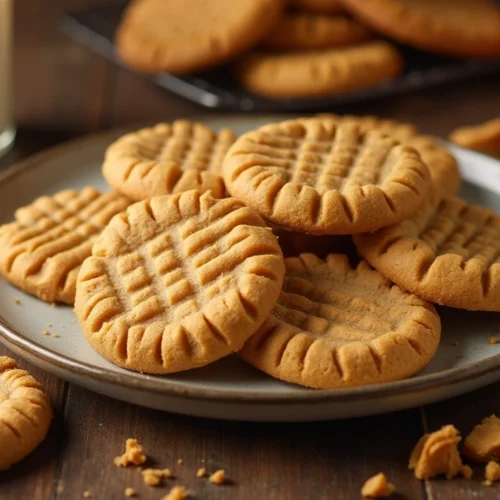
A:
(6, 126)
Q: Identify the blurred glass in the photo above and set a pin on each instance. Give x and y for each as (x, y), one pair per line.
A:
(7, 130)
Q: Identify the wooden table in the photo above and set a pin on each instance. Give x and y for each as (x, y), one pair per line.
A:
(63, 90)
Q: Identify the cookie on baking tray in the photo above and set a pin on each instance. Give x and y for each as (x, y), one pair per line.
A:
(41, 252)
(191, 35)
(304, 31)
(338, 326)
(178, 281)
(456, 27)
(25, 413)
(318, 73)
(325, 178)
(448, 253)
(167, 158)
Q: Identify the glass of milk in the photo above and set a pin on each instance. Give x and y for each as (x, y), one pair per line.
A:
(7, 130)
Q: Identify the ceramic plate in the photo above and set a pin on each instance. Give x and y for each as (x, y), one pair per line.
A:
(230, 389)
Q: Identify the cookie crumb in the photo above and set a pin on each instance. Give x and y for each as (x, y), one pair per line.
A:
(130, 492)
(153, 477)
(437, 453)
(455, 343)
(492, 340)
(180, 461)
(133, 454)
(45, 332)
(378, 486)
(218, 477)
(17, 301)
(53, 305)
(487, 483)
(50, 325)
(483, 443)
(177, 493)
(87, 494)
(492, 471)
(54, 336)
(201, 472)
(466, 471)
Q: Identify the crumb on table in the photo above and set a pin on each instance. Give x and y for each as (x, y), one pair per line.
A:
(130, 492)
(483, 442)
(201, 472)
(177, 493)
(218, 477)
(437, 453)
(377, 486)
(180, 461)
(487, 483)
(87, 494)
(455, 343)
(153, 477)
(466, 471)
(492, 340)
(492, 471)
(133, 454)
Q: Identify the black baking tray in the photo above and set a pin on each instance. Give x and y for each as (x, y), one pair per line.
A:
(217, 89)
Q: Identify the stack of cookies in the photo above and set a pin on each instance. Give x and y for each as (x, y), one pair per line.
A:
(182, 263)
(301, 48)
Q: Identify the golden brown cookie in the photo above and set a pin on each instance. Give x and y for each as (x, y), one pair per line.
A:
(319, 73)
(178, 281)
(320, 6)
(442, 164)
(484, 137)
(335, 326)
(191, 35)
(456, 27)
(41, 252)
(25, 413)
(325, 178)
(167, 159)
(449, 254)
(303, 31)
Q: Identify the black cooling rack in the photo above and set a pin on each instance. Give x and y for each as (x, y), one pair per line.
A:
(217, 89)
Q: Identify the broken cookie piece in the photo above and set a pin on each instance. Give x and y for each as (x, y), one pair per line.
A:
(153, 477)
(437, 453)
(378, 486)
(177, 493)
(483, 443)
(492, 471)
(133, 454)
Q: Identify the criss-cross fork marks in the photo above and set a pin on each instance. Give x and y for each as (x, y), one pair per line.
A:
(175, 273)
(191, 146)
(65, 223)
(338, 163)
(464, 230)
(337, 312)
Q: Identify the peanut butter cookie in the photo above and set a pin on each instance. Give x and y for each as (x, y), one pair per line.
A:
(335, 326)
(456, 27)
(191, 35)
(484, 137)
(303, 31)
(319, 73)
(326, 178)
(41, 252)
(448, 253)
(25, 413)
(178, 281)
(167, 159)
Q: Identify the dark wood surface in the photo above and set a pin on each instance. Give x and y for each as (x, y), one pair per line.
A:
(63, 90)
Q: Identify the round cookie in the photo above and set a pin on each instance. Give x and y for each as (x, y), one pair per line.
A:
(337, 326)
(303, 31)
(325, 178)
(25, 413)
(167, 159)
(177, 282)
(191, 35)
(454, 27)
(320, 6)
(448, 254)
(442, 164)
(484, 137)
(319, 73)
(41, 252)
